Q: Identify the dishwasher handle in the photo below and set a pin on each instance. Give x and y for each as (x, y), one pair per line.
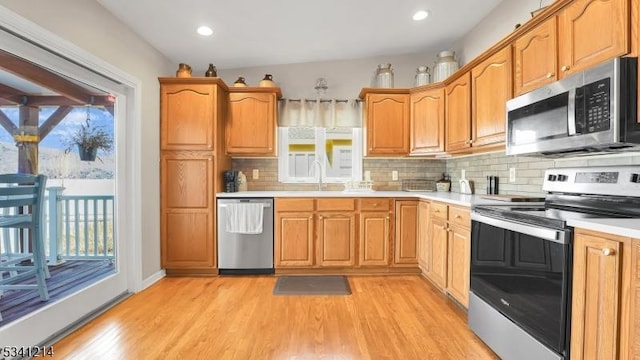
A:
(264, 205)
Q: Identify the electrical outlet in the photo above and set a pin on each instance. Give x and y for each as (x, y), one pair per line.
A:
(394, 175)
(367, 175)
(256, 174)
(463, 174)
(512, 174)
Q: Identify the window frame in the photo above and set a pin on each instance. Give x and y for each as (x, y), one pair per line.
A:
(357, 158)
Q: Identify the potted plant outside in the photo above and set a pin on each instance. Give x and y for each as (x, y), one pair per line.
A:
(89, 140)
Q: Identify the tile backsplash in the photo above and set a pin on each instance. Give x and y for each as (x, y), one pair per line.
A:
(529, 171)
(408, 168)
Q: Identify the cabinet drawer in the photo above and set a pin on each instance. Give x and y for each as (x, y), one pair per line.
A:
(336, 204)
(294, 204)
(439, 210)
(459, 216)
(375, 204)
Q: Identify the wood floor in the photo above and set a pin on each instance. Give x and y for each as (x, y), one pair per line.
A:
(385, 317)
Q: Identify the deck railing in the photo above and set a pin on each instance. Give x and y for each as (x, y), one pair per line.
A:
(75, 227)
(79, 226)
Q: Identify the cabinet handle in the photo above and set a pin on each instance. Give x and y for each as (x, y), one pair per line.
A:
(458, 216)
(565, 68)
(607, 252)
(311, 217)
(443, 227)
(320, 217)
(550, 75)
(387, 218)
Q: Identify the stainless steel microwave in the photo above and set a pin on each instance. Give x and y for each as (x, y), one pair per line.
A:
(593, 111)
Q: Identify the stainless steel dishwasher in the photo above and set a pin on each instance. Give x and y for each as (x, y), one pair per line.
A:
(245, 253)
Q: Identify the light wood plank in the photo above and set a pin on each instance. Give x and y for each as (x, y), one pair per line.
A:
(400, 317)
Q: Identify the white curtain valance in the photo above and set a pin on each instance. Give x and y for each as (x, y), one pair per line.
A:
(320, 113)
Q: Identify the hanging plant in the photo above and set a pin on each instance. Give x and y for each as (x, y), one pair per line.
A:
(89, 140)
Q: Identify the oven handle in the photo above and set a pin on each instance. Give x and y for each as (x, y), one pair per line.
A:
(557, 236)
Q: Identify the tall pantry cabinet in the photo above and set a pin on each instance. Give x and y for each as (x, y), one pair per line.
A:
(192, 160)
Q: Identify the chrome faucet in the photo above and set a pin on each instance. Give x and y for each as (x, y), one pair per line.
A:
(313, 166)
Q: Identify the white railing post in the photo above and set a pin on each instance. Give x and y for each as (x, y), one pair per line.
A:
(55, 221)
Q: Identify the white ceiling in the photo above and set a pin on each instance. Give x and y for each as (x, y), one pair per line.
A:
(251, 33)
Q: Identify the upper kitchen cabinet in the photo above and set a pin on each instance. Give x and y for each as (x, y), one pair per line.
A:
(387, 121)
(251, 124)
(491, 87)
(427, 120)
(189, 111)
(592, 31)
(535, 57)
(458, 113)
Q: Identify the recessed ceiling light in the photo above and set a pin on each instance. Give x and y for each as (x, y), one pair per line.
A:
(206, 31)
(420, 15)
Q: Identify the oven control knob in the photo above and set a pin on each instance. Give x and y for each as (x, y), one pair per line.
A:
(552, 177)
(635, 178)
(562, 177)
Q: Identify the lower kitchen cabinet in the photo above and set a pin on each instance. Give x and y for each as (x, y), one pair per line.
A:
(187, 211)
(438, 247)
(374, 238)
(449, 249)
(459, 254)
(336, 239)
(602, 301)
(406, 239)
(294, 233)
(423, 236)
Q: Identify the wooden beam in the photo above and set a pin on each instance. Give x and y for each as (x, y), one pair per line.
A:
(53, 120)
(7, 124)
(45, 78)
(28, 151)
(52, 100)
(11, 95)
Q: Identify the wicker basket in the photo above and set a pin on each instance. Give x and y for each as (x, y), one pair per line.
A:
(418, 185)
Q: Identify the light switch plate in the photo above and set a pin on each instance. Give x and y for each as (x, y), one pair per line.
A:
(512, 174)
(394, 175)
(256, 174)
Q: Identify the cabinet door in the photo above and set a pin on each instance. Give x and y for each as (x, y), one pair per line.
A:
(595, 317)
(592, 31)
(294, 239)
(406, 241)
(187, 116)
(423, 236)
(387, 124)
(251, 124)
(187, 210)
(458, 114)
(374, 238)
(536, 57)
(427, 121)
(336, 239)
(438, 249)
(459, 263)
(491, 88)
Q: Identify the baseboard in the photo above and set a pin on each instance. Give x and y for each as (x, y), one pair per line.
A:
(152, 279)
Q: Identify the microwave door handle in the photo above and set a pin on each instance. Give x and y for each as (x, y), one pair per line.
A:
(571, 112)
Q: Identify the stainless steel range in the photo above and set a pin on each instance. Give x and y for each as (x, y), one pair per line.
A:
(521, 255)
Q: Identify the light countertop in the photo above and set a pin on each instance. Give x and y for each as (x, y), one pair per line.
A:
(448, 197)
(622, 227)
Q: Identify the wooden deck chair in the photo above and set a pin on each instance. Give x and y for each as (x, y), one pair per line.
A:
(16, 267)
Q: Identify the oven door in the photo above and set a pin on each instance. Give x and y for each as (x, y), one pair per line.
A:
(523, 272)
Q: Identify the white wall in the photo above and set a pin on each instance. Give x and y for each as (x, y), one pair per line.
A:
(89, 26)
(345, 78)
(495, 26)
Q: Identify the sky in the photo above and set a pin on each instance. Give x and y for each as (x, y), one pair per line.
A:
(56, 138)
